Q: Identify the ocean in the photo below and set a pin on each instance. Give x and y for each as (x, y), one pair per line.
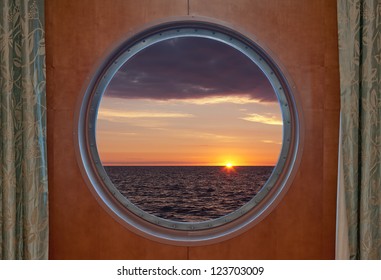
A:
(189, 193)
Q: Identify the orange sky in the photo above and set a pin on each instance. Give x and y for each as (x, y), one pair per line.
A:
(189, 101)
(184, 132)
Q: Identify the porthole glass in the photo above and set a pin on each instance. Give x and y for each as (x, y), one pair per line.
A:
(188, 132)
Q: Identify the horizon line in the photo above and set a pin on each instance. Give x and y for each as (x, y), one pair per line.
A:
(183, 165)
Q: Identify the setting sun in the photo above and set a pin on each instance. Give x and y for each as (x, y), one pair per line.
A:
(229, 165)
(228, 120)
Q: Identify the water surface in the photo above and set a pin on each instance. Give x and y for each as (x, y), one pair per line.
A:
(189, 193)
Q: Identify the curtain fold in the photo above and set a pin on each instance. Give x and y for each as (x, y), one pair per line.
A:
(23, 166)
(359, 211)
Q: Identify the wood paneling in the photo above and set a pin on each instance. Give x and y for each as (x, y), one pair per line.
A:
(78, 34)
(302, 35)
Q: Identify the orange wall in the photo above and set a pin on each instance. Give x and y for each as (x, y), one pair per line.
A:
(303, 36)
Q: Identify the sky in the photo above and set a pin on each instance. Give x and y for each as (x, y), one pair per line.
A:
(189, 101)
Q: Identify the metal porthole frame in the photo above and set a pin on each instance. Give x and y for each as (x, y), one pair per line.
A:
(174, 232)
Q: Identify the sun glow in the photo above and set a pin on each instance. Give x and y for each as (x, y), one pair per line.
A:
(229, 165)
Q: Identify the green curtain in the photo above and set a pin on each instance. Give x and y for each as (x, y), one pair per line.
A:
(23, 175)
(359, 213)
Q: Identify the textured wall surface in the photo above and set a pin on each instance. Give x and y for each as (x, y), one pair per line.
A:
(303, 36)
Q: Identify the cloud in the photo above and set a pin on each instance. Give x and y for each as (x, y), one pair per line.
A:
(271, 142)
(272, 120)
(190, 68)
(108, 114)
(235, 99)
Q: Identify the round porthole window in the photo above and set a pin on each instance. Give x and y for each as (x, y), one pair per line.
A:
(188, 132)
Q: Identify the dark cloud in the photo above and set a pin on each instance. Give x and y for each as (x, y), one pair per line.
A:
(189, 67)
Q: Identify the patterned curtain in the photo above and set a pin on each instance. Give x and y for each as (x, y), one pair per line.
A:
(23, 169)
(359, 211)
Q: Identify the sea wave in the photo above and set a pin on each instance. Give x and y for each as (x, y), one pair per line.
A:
(189, 193)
